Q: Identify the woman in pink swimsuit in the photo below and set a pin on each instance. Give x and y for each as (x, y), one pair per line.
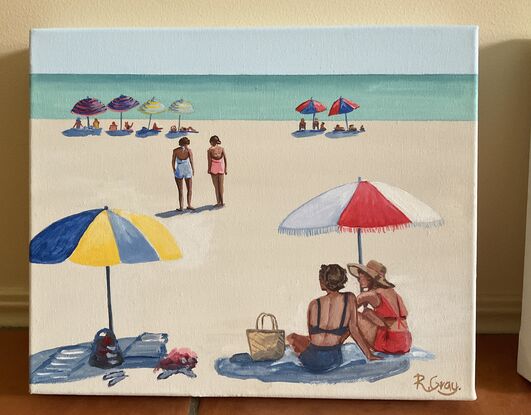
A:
(217, 167)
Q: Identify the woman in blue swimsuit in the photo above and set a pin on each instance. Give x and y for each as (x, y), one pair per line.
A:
(332, 318)
(182, 163)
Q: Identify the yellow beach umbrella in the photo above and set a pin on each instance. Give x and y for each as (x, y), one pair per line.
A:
(102, 238)
(150, 107)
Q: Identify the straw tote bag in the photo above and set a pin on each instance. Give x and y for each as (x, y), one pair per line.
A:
(266, 344)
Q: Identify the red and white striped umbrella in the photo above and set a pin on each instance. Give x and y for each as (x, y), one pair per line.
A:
(361, 206)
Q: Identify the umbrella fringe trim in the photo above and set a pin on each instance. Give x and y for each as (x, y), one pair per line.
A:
(308, 231)
(337, 228)
(384, 229)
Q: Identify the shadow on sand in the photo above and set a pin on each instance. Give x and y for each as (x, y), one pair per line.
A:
(307, 133)
(172, 213)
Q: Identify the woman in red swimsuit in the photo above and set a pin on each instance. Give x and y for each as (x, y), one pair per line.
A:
(385, 327)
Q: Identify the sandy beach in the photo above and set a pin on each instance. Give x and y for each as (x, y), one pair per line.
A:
(235, 264)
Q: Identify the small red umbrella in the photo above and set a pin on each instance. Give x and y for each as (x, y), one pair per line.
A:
(343, 106)
(310, 106)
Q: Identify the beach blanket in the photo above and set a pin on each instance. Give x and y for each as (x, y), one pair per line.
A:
(70, 363)
(355, 367)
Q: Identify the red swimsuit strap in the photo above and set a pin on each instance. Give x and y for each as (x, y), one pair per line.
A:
(385, 310)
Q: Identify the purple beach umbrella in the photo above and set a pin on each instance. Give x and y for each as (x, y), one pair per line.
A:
(122, 104)
(87, 107)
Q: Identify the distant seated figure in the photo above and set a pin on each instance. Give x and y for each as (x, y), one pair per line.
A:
(77, 124)
(96, 123)
(191, 129)
(302, 125)
(173, 129)
(315, 124)
(322, 127)
(362, 128)
(156, 127)
(113, 126)
(128, 126)
(352, 128)
(339, 128)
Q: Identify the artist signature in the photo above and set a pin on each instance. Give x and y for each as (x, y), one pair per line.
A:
(443, 387)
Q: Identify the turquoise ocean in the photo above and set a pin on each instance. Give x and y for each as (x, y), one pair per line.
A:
(265, 97)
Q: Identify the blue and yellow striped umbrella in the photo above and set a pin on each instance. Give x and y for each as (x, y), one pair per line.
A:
(104, 237)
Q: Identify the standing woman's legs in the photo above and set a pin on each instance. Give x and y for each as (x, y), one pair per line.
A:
(179, 183)
(189, 192)
(221, 178)
(215, 183)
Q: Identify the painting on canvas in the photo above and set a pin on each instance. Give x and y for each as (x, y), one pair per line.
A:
(254, 212)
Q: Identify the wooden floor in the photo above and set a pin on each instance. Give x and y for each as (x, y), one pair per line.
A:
(500, 391)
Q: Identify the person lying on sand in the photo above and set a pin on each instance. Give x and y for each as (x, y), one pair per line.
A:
(332, 318)
(339, 128)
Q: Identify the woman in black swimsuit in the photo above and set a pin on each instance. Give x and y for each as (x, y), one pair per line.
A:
(332, 318)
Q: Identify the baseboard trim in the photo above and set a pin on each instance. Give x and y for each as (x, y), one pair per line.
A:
(498, 313)
(495, 314)
(14, 307)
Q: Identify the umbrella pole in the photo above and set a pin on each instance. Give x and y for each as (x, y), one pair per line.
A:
(88, 122)
(121, 120)
(360, 257)
(179, 123)
(313, 120)
(109, 306)
(346, 121)
(149, 123)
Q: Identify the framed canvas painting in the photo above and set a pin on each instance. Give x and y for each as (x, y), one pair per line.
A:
(254, 212)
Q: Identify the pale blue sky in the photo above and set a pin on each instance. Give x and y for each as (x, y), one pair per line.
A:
(266, 51)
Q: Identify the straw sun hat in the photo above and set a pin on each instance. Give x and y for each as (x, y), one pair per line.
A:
(373, 269)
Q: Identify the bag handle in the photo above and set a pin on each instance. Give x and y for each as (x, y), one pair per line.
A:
(261, 317)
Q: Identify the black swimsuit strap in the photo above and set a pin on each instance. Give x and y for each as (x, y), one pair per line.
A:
(318, 313)
(345, 303)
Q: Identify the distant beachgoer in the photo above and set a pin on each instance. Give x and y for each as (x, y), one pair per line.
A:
(385, 328)
(173, 129)
(156, 127)
(96, 123)
(182, 164)
(217, 167)
(332, 318)
(78, 124)
(191, 130)
(128, 126)
(322, 127)
(183, 129)
(352, 128)
(113, 126)
(302, 125)
(339, 128)
(362, 128)
(315, 124)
